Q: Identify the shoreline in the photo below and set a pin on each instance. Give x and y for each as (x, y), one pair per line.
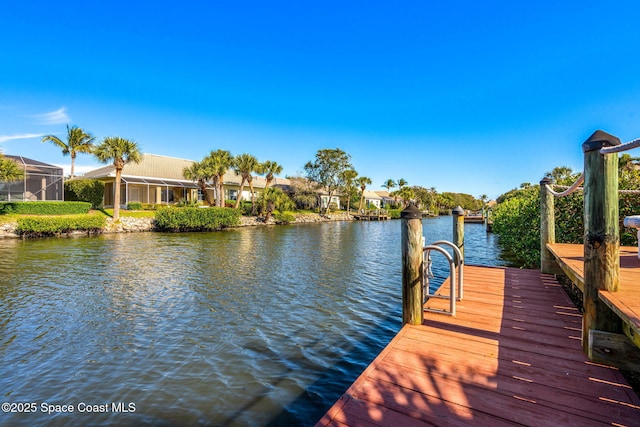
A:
(127, 224)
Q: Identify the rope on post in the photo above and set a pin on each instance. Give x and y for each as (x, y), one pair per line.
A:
(574, 187)
(622, 147)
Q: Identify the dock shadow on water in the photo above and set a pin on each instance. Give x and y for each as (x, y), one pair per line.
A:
(260, 326)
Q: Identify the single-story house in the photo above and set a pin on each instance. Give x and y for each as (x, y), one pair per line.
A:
(385, 198)
(372, 200)
(155, 180)
(41, 181)
(159, 180)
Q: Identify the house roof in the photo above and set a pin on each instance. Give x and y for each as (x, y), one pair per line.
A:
(384, 194)
(371, 195)
(154, 168)
(27, 162)
(150, 166)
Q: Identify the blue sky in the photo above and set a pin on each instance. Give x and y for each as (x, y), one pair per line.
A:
(464, 96)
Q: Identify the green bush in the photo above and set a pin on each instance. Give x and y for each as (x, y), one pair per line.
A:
(517, 223)
(84, 190)
(284, 217)
(394, 213)
(46, 226)
(149, 206)
(134, 206)
(196, 219)
(44, 208)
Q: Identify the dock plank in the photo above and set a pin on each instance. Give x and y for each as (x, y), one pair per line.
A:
(626, 301)
(492, 364)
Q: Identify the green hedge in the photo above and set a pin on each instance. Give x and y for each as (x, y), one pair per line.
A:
(134, 206)
(284, 217)
(84, 190)
(517, 223)
(46, 226)
(394, 213)
(196, 219)
(44, 208)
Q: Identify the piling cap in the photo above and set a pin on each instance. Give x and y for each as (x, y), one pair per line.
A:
(411, 212)
(598, 140)
(545, 181)
(458, 211)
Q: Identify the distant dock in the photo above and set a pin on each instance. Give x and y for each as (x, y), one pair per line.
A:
(372, 215)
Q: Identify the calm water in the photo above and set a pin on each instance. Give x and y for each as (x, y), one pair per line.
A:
(248, 327)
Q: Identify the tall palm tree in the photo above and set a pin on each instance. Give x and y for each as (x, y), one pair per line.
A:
(362, 181)
(78, 141)
(348, 177)
(121, 151)
(401, 183)
(244, 165)
(200, 172)
(220, 162)
(389, 184)
(270, 168)
(9, 172)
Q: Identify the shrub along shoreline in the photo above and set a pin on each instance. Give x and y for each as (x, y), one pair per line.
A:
(42, 219)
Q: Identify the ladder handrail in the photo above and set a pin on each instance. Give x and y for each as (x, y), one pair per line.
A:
(452, 297)
(459, 260)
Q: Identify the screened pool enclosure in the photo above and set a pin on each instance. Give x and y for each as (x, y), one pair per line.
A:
(41, 181)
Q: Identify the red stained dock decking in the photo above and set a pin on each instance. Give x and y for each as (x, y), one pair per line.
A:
(626, 301)
(511, 356)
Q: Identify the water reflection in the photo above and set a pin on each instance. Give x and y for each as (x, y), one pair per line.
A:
(253, 326)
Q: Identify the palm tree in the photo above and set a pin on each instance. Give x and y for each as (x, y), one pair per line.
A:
(269, 168)
(389, 184)
(78, 141)
(121, 151)
(220, 162)
(401, 183)
(244, 165)
(407, 194)
(9, 172)
(348, 177)
(362, 181)
(200, 172)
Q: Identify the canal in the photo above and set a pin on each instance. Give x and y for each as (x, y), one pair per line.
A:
(244, 327)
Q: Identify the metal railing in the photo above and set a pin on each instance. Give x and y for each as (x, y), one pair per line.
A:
(456, 270)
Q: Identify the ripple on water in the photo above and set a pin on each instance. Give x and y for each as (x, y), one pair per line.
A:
(263, 326)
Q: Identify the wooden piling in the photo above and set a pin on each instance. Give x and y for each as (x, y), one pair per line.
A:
(601, 234)
(548, 263)
(412, 265)
(458, 228)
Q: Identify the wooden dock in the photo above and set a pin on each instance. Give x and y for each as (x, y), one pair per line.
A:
(371, 216)
(625, 302)
(511, 356)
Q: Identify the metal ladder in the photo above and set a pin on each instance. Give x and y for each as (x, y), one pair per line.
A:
(455, 263)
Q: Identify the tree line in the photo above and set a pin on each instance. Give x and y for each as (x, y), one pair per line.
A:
(330, 172)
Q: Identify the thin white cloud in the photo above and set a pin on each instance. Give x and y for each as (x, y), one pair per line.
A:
(54, 117)
(6, 138)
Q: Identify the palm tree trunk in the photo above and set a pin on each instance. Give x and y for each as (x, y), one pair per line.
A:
(253, 204)
(73, 161)
(240, 194)
(220, 192)
(116, 196)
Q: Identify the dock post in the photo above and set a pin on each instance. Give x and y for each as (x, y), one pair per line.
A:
(601, 234)
(412, 265)
(548, 263)
(458, 228)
